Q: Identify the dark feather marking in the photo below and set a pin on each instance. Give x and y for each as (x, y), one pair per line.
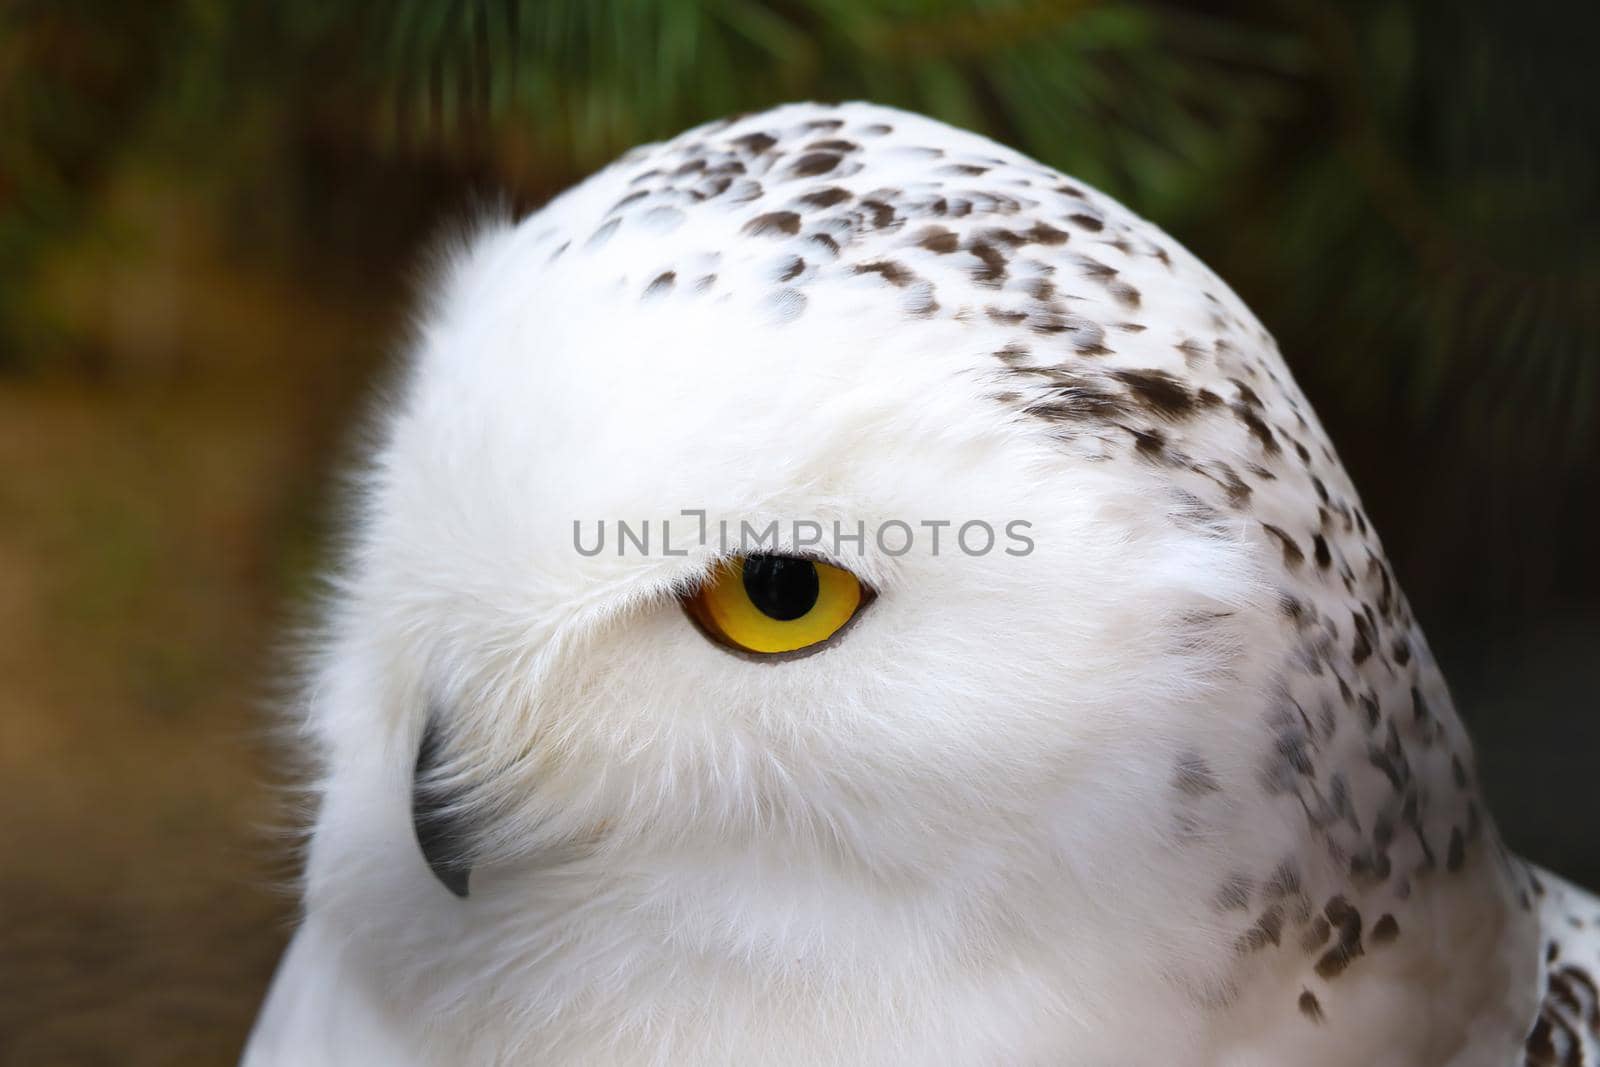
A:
(882, 213)
(1258, 429)
(1194, 776)
(890, 271)
(1347, 921)
(1292, 556)
(824, 242)
(755, 142)
(773, 222)
(938, 239)
(1160, 392)
(1045, 234)
(825, 197)
(992, 264)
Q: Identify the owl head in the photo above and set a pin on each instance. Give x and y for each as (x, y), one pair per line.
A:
(830, 530)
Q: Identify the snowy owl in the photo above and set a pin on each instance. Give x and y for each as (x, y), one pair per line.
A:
(833, 590)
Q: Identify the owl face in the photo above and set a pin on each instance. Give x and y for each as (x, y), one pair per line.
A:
(1005, 647)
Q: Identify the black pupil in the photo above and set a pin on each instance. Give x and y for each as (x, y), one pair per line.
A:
(781, 587)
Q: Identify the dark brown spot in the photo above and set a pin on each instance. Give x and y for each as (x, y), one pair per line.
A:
(814, 163)
(1042, 233)
(1361, 647)
(832, 146)
(1193, 775)
(1074, 399)
(1093, 268)
(1333, 962)
(891, 272)
(1126, 294)
(938, 239)
(792, 269)
(1292, 556)
(882, 214)
(1004, 316)
(825, 197)
(1268, 930)
(1346, 920)
(1385, 930)
(1163, 394)
(1041, 289)
(755, 142)
(1319, 545)
(966, 169)
(1151, 443)
(661, 284)
(991, 270)
(1087, 222)
(1000, 236)
(713, 187)
(1258, 429)
(1309, 1006)
(773, 222)
(825, 242)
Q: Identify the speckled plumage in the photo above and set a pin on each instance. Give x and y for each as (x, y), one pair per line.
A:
(1315, 879)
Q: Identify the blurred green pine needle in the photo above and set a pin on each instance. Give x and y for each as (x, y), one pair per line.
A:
(1405, 190)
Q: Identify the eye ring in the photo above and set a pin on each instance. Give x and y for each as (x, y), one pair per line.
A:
(771, 606)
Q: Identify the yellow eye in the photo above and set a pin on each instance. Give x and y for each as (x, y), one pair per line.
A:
(771, 604)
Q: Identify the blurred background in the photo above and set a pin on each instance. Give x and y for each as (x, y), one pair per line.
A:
(213, 216)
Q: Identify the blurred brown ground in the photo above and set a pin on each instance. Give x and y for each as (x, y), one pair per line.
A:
(152, 513)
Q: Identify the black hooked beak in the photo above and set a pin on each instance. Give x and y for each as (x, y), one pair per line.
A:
(436, 816)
